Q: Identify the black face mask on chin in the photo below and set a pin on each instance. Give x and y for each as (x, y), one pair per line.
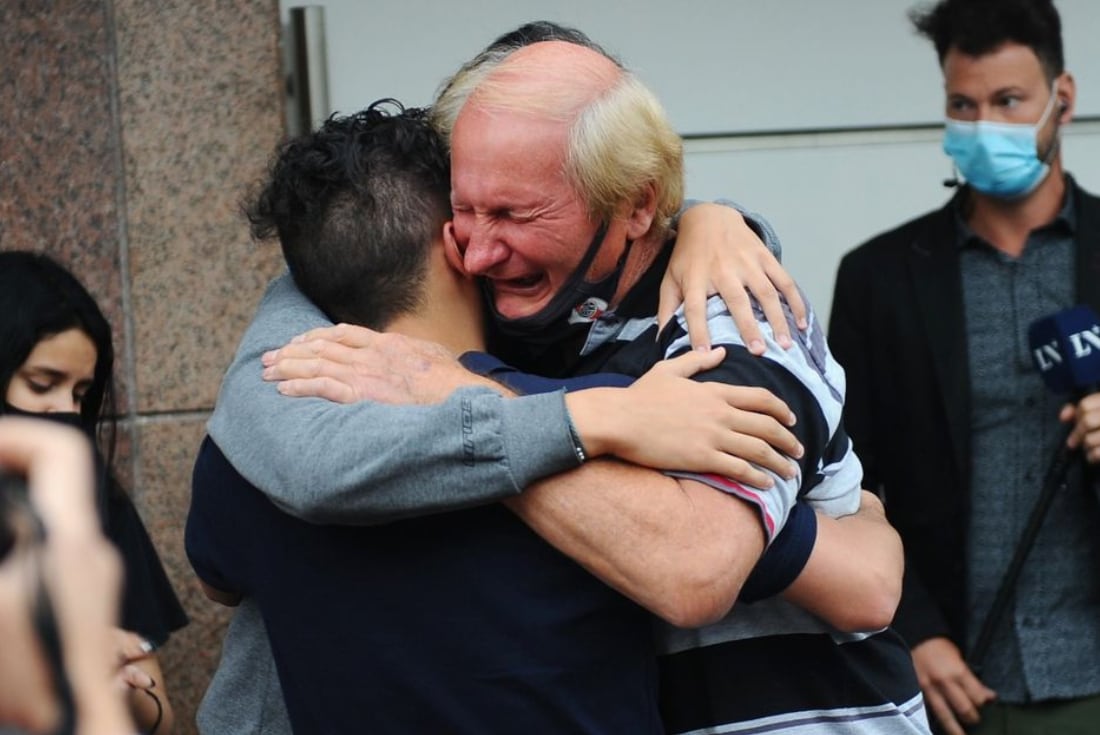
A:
(573, 308)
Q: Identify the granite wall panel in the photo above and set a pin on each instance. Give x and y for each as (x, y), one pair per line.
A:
(132, 130)
(59, 153)
(200, 112)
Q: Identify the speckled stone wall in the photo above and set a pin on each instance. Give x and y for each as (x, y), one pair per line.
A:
(130, 132)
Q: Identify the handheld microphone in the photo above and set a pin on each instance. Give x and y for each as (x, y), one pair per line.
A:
(1065, 348)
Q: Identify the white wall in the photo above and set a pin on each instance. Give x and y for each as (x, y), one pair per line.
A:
(825, 194)
(862, 93)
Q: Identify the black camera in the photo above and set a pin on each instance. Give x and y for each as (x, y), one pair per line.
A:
(14, 509)
(19, 524)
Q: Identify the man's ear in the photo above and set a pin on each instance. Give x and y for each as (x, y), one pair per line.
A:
(639, 218)
(1067, 98)
(450, 248)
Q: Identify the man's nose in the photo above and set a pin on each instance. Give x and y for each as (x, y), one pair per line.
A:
(483, 251)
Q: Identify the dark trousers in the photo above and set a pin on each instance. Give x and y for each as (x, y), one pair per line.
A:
(1069, 717)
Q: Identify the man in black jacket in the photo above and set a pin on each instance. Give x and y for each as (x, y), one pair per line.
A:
(951, 422)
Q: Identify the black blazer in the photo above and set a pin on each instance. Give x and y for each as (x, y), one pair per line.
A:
(897, 327)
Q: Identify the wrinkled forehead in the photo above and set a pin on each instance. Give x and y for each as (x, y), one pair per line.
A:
(495, 151)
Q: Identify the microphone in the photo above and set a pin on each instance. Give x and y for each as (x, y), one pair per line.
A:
(1065, 348)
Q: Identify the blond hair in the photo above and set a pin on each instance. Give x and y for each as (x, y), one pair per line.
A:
(619, 137)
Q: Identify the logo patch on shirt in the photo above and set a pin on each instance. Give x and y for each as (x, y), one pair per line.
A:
(588, 310)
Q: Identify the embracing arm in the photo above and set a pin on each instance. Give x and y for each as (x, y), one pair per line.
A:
(500, 446)
(853, 576)
(682, 548)
(664, 419)
(724, 249)
(374, 462)
(676, 547)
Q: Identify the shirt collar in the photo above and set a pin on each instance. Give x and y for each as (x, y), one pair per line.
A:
(1065, 222)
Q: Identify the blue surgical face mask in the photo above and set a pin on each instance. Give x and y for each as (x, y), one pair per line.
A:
(999, 159)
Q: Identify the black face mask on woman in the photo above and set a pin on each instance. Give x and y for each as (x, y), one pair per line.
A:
(66, 418)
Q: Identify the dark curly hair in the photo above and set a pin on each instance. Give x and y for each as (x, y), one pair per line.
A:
(355, 205)
(977, 27)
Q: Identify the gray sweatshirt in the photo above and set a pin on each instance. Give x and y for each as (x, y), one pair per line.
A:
(371, 462)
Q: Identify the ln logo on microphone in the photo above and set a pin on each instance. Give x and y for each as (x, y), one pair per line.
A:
(1047, 356)
(1085, 342)
(1066, 349)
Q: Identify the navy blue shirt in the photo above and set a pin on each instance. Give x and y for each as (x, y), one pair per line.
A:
(465, 622)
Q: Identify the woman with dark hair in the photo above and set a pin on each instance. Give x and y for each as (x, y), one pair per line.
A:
(56, 362)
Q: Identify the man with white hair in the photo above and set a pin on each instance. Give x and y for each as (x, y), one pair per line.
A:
(565, 174)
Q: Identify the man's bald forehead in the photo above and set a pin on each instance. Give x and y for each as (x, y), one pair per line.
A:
(565, 54)
(554, 79)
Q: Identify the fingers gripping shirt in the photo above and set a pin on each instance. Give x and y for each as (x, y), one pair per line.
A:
(812, 383)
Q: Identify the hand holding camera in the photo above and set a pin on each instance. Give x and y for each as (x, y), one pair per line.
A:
(59, 586)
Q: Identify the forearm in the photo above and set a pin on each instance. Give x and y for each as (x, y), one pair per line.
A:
(854, 574)
(678, 548)
(90, 663)
(99, 711)
(372, 462)
(99, 704)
